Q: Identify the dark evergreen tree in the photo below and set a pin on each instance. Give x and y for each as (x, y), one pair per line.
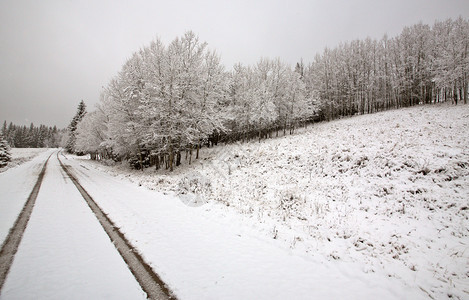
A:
(4, 129)
(81, 111)
(31, 137)
(5, 155)
(10, 135)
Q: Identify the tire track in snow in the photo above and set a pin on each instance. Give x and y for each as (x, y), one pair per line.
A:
(12, 242)
(150, 282)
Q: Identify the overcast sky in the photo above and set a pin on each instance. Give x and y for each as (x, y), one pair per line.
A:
(55, 53)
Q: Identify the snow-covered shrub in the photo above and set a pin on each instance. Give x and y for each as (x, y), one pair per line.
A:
(193, 188)
(5, 155)
(291, 204)
(422, 168)
(108, 162)
(361, 162)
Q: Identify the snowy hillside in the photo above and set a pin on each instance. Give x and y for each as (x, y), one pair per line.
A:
(388, 192)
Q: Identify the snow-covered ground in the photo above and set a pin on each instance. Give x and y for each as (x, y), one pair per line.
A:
(380, 199)
(22, 155)
(26, 153)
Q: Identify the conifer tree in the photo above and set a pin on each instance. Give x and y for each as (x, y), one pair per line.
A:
(81, 111)
(4, 128)
(5, 155)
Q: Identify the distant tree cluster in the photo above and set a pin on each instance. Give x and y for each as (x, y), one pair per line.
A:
(171, 99)
(422, 65)
(31, 137)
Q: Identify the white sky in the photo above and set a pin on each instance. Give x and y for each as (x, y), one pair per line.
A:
(55, 53)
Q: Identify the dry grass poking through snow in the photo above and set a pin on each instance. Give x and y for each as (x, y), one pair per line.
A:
(389, 191)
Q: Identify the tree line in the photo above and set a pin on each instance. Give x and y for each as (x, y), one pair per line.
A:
(422, 65)
(31, 136)
(170, 100)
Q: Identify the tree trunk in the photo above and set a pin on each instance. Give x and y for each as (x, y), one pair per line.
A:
(171, 159)
(465, 92)
(178, 158)
(140, 157)
(455, 95)
(190, 154)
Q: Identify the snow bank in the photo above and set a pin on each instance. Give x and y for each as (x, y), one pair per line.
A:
(387, 192)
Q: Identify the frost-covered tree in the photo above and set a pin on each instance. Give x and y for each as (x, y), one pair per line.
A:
(264, 114)
(165, 99)
(240, 106)
(270, 96)
(5, 155)
(81, 111)
(91, 135)
(451, 59)
(423, 64)
(300, 105)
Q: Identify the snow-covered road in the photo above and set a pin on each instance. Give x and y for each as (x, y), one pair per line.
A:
(15, 186)
(64, 253)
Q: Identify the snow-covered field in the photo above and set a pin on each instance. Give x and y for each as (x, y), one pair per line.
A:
(22, 155)
(387, 194)
(25, 154)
